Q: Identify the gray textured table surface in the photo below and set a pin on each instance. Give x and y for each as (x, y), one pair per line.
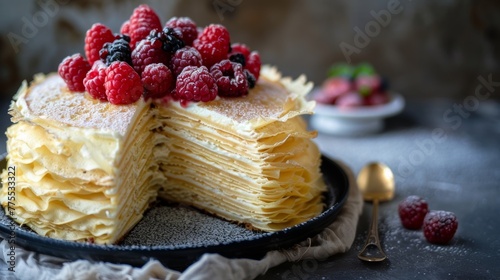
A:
(458, 171)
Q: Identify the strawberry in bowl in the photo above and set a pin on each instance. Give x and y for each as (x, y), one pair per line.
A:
(353, 86)
(354, 100)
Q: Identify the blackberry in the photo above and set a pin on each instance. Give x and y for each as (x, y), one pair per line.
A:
(250, 79)
(238, 58)
(118, 50)
(170, 39)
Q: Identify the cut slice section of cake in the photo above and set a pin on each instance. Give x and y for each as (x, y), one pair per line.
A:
(85, 170)
(249, 159)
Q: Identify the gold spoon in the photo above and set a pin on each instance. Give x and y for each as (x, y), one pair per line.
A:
(376, 183)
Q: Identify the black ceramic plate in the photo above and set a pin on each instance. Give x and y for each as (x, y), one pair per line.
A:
(177, 236)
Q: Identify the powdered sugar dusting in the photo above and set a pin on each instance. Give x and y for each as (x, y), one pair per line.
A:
(397, 238)
(50, 99)
(180, 226)
(264, 101)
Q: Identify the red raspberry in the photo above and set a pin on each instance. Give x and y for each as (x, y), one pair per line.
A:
(94, 81)
(440, 226)
(73, 70)
(195, 84)
(240, 48)
(148, 52)
(96, 37)
(412, 211)
(125, 28)
(187, 28)
(157, 80)
(123, 85)
(143, 20)
(213, 44)
(251, 62)
(230, 78)
(187, 56)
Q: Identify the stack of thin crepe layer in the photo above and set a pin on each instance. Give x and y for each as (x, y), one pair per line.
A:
(249, 160)
(82, 169)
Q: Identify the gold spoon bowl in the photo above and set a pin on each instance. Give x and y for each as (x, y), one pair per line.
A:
(376, 183)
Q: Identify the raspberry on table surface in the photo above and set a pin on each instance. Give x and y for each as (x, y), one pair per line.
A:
(440, 226)
(412, 211)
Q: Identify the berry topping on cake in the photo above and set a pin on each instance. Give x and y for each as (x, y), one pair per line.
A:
(238, 58)
(170, 39)
(118, 50)
(228, 70)
(96, 37)
(125, 28)
(157, 80)
(94, 81)
(440, 226)
(148, 51)
(187, 28)
(230, 78)
(213, 44)
(196, 84)
(123, 85)
(253, 64)
(412, 211)
(240, 48)
(143, 20)
(73, 70)
(184, 57)
(250, 79)
(249, 59)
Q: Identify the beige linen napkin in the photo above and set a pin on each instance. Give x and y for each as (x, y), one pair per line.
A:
(336, 238)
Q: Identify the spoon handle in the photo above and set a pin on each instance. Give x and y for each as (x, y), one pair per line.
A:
(368, 254)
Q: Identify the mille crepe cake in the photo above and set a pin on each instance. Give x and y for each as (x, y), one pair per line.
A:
(91, 153)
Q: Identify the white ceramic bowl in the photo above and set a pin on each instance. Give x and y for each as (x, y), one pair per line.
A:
(331, 119)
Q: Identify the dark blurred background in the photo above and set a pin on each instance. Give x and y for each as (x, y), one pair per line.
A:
(425, 48)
